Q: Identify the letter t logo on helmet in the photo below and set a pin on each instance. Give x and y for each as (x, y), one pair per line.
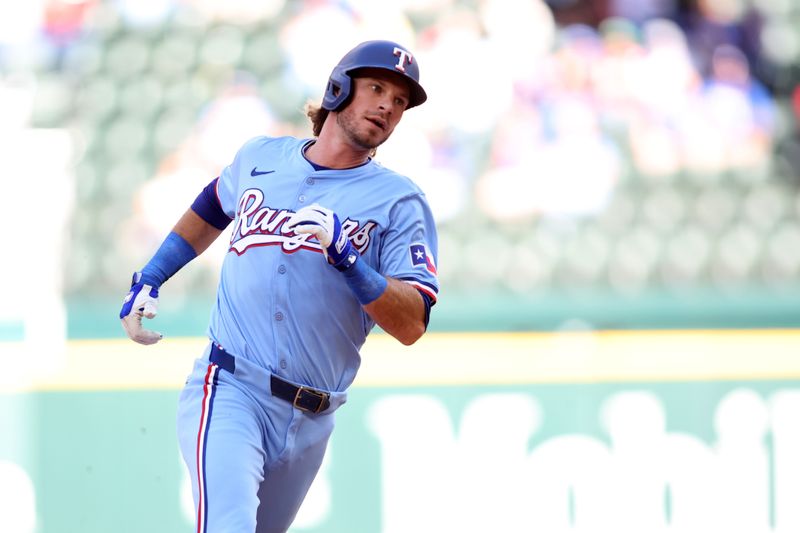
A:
(386, 55)
(405, 56)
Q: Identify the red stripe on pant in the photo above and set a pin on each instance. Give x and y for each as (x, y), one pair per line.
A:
(209, 388)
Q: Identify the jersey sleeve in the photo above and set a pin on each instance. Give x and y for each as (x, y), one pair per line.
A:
(410, 246)
(227, 186)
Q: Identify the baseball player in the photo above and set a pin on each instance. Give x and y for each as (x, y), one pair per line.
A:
(325, 243)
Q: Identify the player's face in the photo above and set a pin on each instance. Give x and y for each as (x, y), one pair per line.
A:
(378, 103)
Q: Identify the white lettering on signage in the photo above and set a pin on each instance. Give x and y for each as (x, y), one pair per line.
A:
(17, 498)
(494, 475)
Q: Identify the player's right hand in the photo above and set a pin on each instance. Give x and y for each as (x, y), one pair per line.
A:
(323, 224)
(142, 300)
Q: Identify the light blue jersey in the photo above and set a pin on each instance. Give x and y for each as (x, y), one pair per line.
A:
(279, 305)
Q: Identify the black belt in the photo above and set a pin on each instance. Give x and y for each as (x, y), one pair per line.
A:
(304, 398)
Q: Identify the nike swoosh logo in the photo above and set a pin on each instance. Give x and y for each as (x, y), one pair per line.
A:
(255, 172)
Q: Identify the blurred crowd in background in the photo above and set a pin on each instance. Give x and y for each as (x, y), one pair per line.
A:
(625, 144)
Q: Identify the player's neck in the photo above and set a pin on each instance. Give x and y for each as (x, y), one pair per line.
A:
(331, 152)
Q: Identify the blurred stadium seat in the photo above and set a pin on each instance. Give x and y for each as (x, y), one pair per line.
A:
(643, 150)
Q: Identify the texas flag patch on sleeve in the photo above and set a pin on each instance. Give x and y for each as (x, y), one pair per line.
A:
(421, 258)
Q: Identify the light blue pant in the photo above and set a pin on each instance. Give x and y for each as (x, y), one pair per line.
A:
(251, 456)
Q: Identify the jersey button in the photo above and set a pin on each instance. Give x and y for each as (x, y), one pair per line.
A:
(283, 364)
(310, 181)
(278, 316)
(302, 198)
(282, 269)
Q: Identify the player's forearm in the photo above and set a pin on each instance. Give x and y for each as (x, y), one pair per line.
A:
(189, 238)
(399, 311)
(394, 305)
(196, 231)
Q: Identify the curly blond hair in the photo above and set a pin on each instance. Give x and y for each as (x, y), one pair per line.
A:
(317, 114)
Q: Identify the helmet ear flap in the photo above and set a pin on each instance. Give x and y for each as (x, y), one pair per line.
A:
(338, 91)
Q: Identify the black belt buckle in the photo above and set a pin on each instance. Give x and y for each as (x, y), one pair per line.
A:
(304, 393)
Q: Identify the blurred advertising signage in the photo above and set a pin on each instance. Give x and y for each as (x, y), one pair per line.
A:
(639, 432)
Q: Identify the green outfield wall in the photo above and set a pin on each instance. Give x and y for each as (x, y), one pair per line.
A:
(648, 431)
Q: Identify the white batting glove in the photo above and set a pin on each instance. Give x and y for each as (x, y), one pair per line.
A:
(323, 224)
(141, 301)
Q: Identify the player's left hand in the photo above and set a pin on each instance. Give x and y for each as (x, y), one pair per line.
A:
(323, 224)
(141, 301)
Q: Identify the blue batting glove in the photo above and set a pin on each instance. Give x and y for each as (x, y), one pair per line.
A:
(326, 227)
(141, 301)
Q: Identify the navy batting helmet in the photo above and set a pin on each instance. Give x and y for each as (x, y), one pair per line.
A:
(372, 54)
